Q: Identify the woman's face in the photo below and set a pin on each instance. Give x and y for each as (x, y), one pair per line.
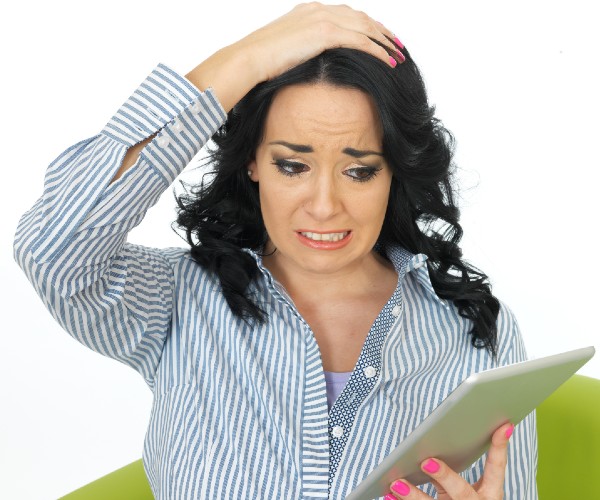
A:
(323, 181)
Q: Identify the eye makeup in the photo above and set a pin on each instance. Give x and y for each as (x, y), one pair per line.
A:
(362, 173)
(289, 168)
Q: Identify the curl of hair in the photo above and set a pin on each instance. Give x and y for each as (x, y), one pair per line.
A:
(223, 216)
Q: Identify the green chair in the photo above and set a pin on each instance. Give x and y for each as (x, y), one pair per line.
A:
(127, 483)
(568, 424)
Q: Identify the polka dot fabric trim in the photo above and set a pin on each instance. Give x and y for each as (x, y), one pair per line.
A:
(367, 369)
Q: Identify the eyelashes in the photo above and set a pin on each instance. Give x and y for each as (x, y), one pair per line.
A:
(362, 173)
(289, 168)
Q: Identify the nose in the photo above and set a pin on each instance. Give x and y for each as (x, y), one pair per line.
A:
(323, 200)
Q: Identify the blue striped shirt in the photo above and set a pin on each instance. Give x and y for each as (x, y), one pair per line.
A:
(238, 411)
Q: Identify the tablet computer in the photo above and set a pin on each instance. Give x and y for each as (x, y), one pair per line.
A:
(459, 430)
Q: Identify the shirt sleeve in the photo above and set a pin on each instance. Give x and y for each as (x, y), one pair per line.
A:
(521, 469)
(520, 480)
(115, 297)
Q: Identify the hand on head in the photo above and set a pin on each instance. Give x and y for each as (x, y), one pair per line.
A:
(301, 34)
(310, 28)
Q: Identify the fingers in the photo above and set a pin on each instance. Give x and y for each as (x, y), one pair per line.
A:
(342, 26)
(448, 483)
(451, 485)
(305, 32)
(492, 480)
(362, 23)
(403, 489)
(370, 33)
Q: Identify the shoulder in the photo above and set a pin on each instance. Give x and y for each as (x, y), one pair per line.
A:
(177, 261)
(176, 255)
(511, 348)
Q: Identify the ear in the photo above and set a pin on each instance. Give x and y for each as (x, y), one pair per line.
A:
(253, 171)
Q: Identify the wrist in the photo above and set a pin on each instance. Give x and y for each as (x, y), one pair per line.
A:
(230, 72)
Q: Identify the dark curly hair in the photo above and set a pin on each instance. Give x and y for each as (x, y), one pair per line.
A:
(222, 215)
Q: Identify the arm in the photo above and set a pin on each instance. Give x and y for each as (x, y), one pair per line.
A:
(115, 297)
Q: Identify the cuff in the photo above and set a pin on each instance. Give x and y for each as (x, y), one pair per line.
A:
(161, 97)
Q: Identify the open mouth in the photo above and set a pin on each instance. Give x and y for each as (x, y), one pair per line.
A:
(324, 236)
(324, 240)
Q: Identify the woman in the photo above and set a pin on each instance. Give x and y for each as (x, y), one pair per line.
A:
(324, 249)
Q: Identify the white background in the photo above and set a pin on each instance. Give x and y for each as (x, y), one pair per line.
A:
(516, 82)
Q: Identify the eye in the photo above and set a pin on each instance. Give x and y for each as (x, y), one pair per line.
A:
(290, 168)
(362, 174)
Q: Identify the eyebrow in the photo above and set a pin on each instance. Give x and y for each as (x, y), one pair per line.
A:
(303, 148)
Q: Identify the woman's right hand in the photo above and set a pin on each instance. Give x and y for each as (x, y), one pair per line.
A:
(304, 32)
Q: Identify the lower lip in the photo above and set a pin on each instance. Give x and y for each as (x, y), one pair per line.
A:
(325, 245)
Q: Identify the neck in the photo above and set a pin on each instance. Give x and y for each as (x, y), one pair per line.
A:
(361, 278)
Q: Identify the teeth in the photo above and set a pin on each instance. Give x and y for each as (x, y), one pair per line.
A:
(325, 236)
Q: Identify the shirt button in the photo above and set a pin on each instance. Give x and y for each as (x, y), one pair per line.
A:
(396, 310)
(178, 126)
(370, 371)
(338, 431)
(163, 141)
(196, 108)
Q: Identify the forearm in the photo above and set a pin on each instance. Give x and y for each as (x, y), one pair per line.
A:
(230, 76)
(110, 295)
(230, 72)
(78, 199)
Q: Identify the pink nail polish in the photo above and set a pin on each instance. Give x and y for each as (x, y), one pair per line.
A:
(401, 488)
(431, 466)
(401, 56)
(509, 431)
(393, 62)
(389, 496)
(398, 42)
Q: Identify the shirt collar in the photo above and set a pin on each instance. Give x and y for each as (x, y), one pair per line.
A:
(404, 262)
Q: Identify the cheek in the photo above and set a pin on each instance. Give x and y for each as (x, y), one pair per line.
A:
(276, 203)
(371, 205)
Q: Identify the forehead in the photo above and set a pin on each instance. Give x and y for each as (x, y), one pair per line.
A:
(323, 114)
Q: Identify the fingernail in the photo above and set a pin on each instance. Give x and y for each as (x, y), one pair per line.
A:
(401, 56)
(431, 466)
(509, 431)
(393, 62)
(401, 488)
(398, 42)
(389, 496)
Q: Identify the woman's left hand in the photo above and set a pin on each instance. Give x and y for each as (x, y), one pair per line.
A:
(451, 486)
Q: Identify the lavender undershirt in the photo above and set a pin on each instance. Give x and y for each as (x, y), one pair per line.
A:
(335, 381)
